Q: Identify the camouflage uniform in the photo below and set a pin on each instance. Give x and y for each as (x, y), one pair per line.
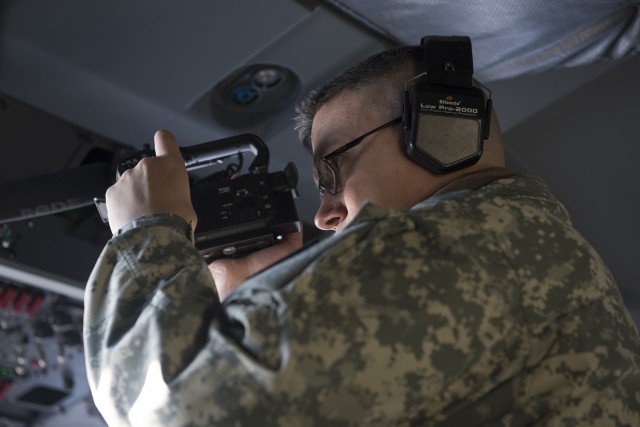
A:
(475, 307)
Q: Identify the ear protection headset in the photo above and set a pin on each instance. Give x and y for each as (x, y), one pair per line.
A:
(446, 112)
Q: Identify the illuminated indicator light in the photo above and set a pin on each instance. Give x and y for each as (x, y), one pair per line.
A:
(7, 372)
(38, 363)
(7, 297)
(21, 301)
(5, 386)
(60, 358)
(35, 305)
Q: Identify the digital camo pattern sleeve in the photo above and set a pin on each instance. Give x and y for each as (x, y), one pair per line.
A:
(148, 307)
(476, 308)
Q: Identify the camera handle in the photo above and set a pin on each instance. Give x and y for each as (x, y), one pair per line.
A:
(209, 153)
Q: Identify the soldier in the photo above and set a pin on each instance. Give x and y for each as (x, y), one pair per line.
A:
(458, 296)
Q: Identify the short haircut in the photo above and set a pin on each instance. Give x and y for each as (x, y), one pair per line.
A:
(385, 72)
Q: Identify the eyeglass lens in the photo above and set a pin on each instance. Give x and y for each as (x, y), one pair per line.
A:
(326, 178)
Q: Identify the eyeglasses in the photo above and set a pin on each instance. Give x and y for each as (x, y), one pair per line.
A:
(327, 169)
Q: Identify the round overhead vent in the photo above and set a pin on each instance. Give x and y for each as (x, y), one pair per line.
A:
(268, 77)
(244, 95)
(254, 93)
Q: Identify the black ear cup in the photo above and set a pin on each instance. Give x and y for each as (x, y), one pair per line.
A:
(446, 114)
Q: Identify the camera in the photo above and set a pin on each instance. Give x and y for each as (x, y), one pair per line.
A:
(237, 213)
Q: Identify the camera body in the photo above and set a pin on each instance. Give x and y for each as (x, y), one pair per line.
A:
(236, 214)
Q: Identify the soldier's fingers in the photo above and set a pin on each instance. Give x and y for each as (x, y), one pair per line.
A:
(166, 145)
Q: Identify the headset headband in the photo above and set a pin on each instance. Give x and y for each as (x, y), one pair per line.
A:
(448, 60)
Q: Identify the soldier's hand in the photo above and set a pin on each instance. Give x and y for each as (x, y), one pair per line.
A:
(157, 184)
(229, 273)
